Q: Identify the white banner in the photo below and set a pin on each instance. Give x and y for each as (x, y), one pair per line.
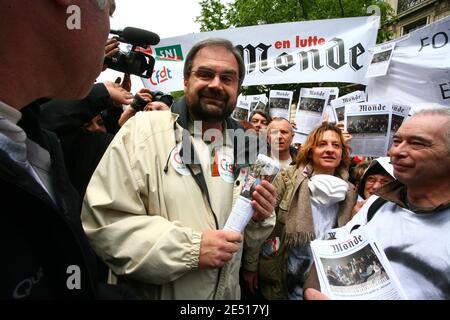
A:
(419, 72)
(333, 50)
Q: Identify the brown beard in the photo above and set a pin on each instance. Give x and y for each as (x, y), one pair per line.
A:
(200, 111)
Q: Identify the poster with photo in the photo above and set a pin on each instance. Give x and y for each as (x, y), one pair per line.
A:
(310, 108)
(258, 101)
(280, 103)
(328, 113)
(242, 110)
(381, 58)
(370, 127)
(338, 104)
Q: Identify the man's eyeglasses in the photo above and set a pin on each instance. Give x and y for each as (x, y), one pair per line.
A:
(209, 75)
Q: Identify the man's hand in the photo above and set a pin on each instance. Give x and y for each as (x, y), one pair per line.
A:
(126, 83)
(251, 280)
(264, 198)
(111, 49)
(145, 94)
(313, 294)
(218, 247)
(118, 94)
(152, 105)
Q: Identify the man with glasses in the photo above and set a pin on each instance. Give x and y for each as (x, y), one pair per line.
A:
(379, 173)
(157, 203)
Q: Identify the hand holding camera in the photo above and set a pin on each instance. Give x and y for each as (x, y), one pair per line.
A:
(136, 61)
(146, 100)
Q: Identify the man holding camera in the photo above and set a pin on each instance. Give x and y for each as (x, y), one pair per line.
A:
(157, 202)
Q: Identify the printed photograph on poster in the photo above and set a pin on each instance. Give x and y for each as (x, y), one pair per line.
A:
(310, 108)
(363, 266)
(257, 100)
(311, 104)
(241, 112)
(333, 93)
(352, 267)
(338, 104)
(280, 103)
(328, 114)
(380, 61)
(370, 127)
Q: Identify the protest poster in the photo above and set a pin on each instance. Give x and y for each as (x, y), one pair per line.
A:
(310, 108)
(381, 58)
(370, 127)
(419, 72)
(280, 102)
(331, 50)
(353, 267)
(328, 114)
(338, 104)
(242, 110)
(258, 102)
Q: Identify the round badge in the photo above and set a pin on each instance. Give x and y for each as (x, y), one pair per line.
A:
(177, 163)
(225, 166)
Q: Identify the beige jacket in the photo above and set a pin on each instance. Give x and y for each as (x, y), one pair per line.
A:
(145, 219)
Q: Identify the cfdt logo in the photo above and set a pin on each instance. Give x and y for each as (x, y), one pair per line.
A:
(160, 76)
(226, 165)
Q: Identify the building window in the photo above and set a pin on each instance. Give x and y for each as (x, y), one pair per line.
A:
(414, 25)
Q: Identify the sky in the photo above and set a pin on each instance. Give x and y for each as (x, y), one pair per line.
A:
(167, 18)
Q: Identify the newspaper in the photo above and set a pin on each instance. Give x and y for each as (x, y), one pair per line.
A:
(399, 114)
(328, 114)
(310, 108)
(338, 105)
(370, 127)
(242, 110)
(354, 268)
(280, 103)
(258, 102)
(265, 168)
(299, 137)
(381, 58)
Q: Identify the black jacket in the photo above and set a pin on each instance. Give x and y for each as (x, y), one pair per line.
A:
(82, 149)
(43, 246)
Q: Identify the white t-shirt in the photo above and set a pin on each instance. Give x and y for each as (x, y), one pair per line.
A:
(416, 244)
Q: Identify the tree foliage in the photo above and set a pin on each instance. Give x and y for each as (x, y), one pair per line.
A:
(241, 13)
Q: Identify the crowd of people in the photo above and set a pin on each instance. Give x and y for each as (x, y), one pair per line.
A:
(107, 202)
